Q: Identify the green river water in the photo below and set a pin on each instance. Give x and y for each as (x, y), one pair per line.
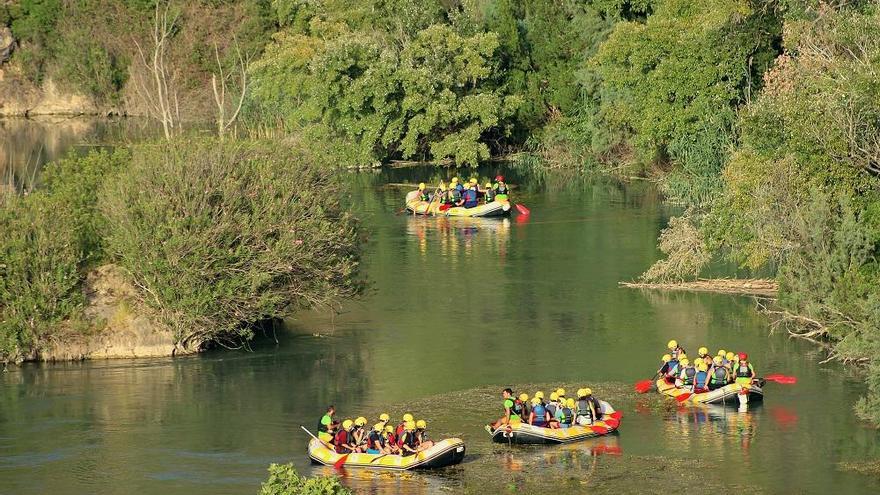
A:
(457, 309)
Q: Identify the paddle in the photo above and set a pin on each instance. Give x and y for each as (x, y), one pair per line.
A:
(338, 464)
(616, 415)
(614, 423)
(783, 379)
(646, 385)
(377, 458)
(599, 429)
(522, 209)
(683, 397)
(316, 438)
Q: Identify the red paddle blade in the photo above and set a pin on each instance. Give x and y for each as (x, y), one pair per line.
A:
(783, 379)
(338, 464)
(614, 423)
(644, 386)
(599, 429)
(522, 209)
(683, 397)
(616, 415)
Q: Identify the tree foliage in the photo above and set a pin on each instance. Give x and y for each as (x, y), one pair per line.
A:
(284, 480)
(221, 235)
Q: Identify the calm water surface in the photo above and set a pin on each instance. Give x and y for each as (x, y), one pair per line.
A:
(457, 308)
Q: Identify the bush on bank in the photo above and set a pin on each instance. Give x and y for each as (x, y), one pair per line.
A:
(49, 238)
(284, 480)
(221, 235)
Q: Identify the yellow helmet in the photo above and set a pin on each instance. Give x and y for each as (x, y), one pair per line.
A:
(722, 352)
(581, 392)
(421, 186)
(442, 186)
(672, 344)
(454, 180)
(539, 395)
(569, 402)
(535, 401)
(473, 180)
(682, 356)
(702, 366)
(407, 417)
(666, 358)
(703, 351)
(523, 397)
(389, 429)
(560, 392)
(361, 421)
(346, 425)
(730, 356)
(378, 426)
(410, 425)
(421, 424)
(685, 362)
(488, 185)
(554, 396)
(384, 417)
(717, 360)
(588, 392)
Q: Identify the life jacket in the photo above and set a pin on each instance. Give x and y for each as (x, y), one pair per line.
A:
(392, 439)
(322, 428)
(517, 408)
(490, 195)
(470, 198)
(687, 375)
(567, 416)
(501, 188)
(583, 408)
(673, 368)
(421, 437)
(459, 188)
(744, 371)
(551, 408)
(340, 440)
(540, 413)
(455, 195)
(375, 437)
(408, 439)
(400, 429)
(719, 375)
(597, 406)
(701, 379)
(424, 196)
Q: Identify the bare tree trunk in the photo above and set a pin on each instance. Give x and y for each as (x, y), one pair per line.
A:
(219, 83)
(160, 93)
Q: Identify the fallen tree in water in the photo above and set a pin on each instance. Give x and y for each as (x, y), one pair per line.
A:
(749, 286)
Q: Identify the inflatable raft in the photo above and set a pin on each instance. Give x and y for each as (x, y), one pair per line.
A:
(522, 433)
(493, 209)
(726, 395)
(441, 454)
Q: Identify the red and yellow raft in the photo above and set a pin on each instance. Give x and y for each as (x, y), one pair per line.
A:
(522, 433)
(726, 395)
(492, 209)
(443, 453)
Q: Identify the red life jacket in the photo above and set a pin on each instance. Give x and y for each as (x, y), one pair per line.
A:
(340, 440)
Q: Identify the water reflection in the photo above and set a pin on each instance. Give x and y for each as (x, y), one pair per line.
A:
(456, 237)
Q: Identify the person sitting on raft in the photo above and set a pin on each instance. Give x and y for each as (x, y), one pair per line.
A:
(565, 413)
(422, 436)
(701, 378)
(359, 434)
(343, 441)
(402, 425)
(688, 372)
(423, 192)
(675, 351)
(539, 416)
(744, 371)
(524, 406)
(327, 426)
(391, 440)
(376, 443)
(718, 374)
(500, 187)
(510, 414)
(407, 441)
(469, 197)
(488, 193)
(589, 409)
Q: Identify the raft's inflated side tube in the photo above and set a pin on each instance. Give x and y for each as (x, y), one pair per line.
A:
(726, 395)
(493, 209)
(441, 454)
(522, 433)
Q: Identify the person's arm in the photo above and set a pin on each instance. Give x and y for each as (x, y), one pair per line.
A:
(532, 418)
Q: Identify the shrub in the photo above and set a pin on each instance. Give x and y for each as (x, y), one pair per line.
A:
(49, 237)
(284, 480)
(220, 235)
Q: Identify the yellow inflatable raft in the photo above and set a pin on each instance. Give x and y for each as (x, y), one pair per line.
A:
(493, 209)
(726, 395)
(525, 434)
(441, 454)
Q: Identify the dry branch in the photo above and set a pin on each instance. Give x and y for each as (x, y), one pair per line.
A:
(751, 286)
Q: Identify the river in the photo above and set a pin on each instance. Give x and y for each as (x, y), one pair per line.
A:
(456, 310)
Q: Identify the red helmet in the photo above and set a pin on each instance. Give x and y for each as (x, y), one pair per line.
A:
(743, 356)
(499, 178)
